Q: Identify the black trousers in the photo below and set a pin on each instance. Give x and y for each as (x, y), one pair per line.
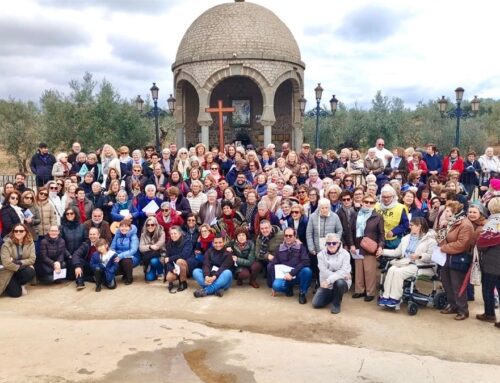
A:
(488, 283)
(20, 278)
(324, 296)
(452, 282)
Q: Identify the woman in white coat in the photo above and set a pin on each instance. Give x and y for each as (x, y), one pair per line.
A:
(415, 249)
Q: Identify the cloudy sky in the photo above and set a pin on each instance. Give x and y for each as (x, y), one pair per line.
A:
(416, 50)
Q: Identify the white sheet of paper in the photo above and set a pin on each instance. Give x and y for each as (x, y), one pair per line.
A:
(438, 256)
(151, 207)
(215, 268)
(125, 212)
(60, 275)
(357, 255)
(281, 270)
(27, 213)
(177, 269)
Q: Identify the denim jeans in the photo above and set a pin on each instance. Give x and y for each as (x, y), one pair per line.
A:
(303, 279)
(154, 269)
(324, 296)
(488, 283)
(223, 281)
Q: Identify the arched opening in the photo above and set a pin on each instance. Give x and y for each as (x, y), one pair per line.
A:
(190, 104)
(243, 125)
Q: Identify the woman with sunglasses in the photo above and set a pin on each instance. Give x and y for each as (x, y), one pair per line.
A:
(17, 258)
(298, 221)
(74, 234)
(366, 223)
(48, 213)
(215, 171)
(181, 163)
(11, 213)
(151, 246)
(30, 212)
(334, 274)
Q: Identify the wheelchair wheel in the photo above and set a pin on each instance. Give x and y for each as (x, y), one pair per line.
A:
(412, 308)
(440, 300)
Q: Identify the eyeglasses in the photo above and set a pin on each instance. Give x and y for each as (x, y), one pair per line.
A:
(166, 210)
(295, 212)
(28, 197)
(346, 199)
(43, 193)
(53, 188)
(137, 170)
(280, 183)
(380, 144)
(332, 243)
(70, 213)
(302, 192)
(289, 235)
(191, 220)
(19, 231)
(369, 202)
(124, 153)
(150, 224)
(347, 180)
(214, 168)
(59, 184)
(14, 198)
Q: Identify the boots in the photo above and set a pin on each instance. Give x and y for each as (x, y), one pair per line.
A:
(98, 280)
(182, 286)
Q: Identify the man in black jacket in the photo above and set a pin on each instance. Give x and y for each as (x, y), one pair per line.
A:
(216, 275)
(41, 165)
(81, 259)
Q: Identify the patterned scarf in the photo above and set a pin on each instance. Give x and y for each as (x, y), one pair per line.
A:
(490, 235)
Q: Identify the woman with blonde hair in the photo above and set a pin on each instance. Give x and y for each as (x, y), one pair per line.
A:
(108, 154)
(292, 162)
(355, 167)
(181, 163)
(200, 150)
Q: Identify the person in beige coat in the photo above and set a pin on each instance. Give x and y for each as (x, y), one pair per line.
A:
(415, 249)
(17, 260)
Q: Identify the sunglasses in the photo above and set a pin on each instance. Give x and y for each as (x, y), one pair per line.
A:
(151, 225)
(137, 170)
(28, 197)
(214, 168)
(123, 153)
(295, 212)
(53, 188)
(347, 180)
(332, 243)
(369, 202)
(165, 209)
(346, 199)
(302, 192)
(289, 236)
(14, 198)
(70, 213)
(19, 231)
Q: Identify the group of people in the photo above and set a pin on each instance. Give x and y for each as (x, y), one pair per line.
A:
(292, 219)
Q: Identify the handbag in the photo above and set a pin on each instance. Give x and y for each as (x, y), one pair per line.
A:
(369, 245)
(460, 262)
(475, 272)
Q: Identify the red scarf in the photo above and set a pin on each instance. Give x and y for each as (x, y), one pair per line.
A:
(206, 242)
(228, 221)
(81, 208)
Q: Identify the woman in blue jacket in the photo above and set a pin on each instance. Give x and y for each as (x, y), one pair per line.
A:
(124, 209)
(126, 245)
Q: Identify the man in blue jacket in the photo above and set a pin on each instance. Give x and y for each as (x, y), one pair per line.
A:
(41, 165)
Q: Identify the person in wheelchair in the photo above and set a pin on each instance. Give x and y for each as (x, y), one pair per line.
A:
(414, 250)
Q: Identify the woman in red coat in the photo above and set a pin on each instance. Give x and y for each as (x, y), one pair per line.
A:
(417, 164)
(453, 162)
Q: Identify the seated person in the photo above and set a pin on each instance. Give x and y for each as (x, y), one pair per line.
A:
(104, 264)
(82, 256)
(178, 259)
(216, 275)
(415, 249)
(18, 258)
(51, 258)
(126, 245)
(243, 250)
(151, 246)
(124, 208)
(334, 263)
(294, 254)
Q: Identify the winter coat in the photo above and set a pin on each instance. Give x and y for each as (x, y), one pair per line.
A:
(470, 174)
(175, 220)
(219, 258)
(182, 206)
(126, 245)
(48, 217)
(458, 165)
(73, 233)
(83, 253)
(35, 220)
(97, 199)
(459, 238)
(103, 227)
(321, 226)
(9, 219)
(146, 240)
(87, 206)
(272, 244)
(375, 166)
(59, 171)
(10, 263)
(333, 267)
(41, 165)
(301, 229)
(181, 249)
(245, 256)
(117, 207)
(374, 230)
(424, 248)
(109, 268)
(295, 256)
(51, 250)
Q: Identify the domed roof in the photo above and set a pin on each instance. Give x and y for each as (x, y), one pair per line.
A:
(238, 30)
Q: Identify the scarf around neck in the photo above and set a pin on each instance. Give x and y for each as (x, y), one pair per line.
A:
(490, 234)
(363, 215)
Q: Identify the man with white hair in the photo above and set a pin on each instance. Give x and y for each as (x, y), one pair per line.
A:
(396, 222)
(381, 152)
(334, 263)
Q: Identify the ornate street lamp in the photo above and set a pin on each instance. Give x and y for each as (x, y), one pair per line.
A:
(319, 92)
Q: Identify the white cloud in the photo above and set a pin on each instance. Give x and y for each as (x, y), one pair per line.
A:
(413, 50)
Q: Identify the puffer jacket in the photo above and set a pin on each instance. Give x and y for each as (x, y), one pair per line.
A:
(319, 227)
(181, 249)
(48, 217)
(73, 232)
(51, 250)
(126, 245)
(245, 255)
(8, 254)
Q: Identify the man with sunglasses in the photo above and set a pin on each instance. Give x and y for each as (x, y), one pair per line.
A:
(334, 274)
(381, 152)
(291, 253)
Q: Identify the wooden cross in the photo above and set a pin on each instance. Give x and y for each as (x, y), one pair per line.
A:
(220, 110)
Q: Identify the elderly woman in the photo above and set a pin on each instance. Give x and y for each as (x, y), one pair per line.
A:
(455, 241)
(17, 260)
(477, 214)
(415, 249)
(395, 218)
(272, 200)
(51, 257)
(367, 223)
(196, 197)
(243, 251)
(178, 259)
(488, 245)
(229, 221)
(334, 274)
(123, 208)
(151, 246)
(373, 164)
(62, 167)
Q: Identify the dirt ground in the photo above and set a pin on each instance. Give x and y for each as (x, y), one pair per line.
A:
(138, 332)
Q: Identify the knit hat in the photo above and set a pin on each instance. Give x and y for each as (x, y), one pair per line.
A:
(495, 184)
(482, 209)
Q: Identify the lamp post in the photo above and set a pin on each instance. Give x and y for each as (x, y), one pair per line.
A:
(156, 112)
(319, 92)
(458, 113)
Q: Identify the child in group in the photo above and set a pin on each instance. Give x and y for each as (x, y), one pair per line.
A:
(104, 264)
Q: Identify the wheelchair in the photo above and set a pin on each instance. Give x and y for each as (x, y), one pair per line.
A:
(411, 295)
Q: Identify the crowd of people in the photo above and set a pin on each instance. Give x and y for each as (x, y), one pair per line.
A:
(306, 219)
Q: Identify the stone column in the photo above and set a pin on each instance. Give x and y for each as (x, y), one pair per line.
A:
(268, 131)
(179, 135)
(298, 136)
(205, 120)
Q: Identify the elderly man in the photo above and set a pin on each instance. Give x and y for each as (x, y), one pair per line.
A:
(268, 239)
(76, 148)
(293, 255)
(216, 275)
(396, 222)
(81, 258)
(97, 221)
(210, 211)
(165, 162)
(381, 152)
(306, 157)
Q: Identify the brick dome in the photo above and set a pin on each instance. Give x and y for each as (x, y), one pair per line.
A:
(238, 30)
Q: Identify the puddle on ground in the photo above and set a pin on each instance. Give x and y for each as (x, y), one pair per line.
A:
(197, 361)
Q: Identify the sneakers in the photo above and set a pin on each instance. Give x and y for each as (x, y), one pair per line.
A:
(388, 302)
(302, 298)
(200, 293)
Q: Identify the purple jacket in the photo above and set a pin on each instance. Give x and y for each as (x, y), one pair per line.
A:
(295, 256)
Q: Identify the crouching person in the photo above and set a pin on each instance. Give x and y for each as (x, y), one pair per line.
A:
(152, 246)
(104, 264)
(126, 245)
(216, 275)
(334, 265)
(178, 259)
(52, 254)
(292, 254)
